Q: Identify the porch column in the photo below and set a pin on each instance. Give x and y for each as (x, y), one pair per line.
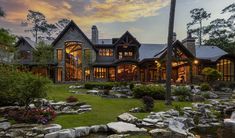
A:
(191, 71)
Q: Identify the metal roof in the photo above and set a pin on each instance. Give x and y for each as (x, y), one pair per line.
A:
(212, 53)
(150, 50)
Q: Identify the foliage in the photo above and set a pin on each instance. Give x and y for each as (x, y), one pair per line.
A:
(39, 24)
(71, 99)
(20, 87)
(198, 15)
(219, 85)
(7, 39)
(205, 87)
(181, 91)
(40, 116)
(154, 91)
(211, 74)
(2, 13)
(179, 109)
(206, 95)
(43, 54)
(148, 103)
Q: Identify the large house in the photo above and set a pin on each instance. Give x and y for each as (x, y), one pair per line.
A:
(77, 58)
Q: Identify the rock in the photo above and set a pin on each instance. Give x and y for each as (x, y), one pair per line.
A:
(135, 110)
(123, 128)
(75, 87)
(187, 108)
(98, 128)
(119, 136)
(160, 133)
(85, 106)
(126, 117)
(82, 131)
(152, 121)
(65, 133)
(96, 92)
(177, 127)
(173, 112)
(52, 128)
(5, 125)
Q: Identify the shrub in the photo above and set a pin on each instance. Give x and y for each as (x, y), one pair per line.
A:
(211, 74)
(71, 99)
(21, 87)
(154, 91)
(181, 91)
(148, 103)
(41, 116)
(205, 87)
(206, 95)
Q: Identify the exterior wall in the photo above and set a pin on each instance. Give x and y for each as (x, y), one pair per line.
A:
(24, 46)
(105, 58)
(73, 35)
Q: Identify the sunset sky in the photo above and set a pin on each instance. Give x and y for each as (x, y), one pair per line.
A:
(147, 20)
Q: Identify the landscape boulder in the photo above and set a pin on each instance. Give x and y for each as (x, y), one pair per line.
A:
(125, 128)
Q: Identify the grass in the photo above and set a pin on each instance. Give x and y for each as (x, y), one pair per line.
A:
(104, 110)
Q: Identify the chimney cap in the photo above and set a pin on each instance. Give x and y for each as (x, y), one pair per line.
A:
(174, 34)
(94, 27)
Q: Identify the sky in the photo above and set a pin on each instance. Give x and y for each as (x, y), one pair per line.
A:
(147, 20)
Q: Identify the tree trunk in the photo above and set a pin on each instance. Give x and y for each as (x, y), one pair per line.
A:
(200, 33)
(169, 53)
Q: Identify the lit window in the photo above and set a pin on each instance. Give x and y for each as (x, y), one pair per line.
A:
(106, 52)
(100, 73)
(59, 55)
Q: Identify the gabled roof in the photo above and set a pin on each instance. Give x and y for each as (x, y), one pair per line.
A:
(212, 53)
(28, 41)
(147, 51)
(179, 45)
(71, 24)
(127, 33)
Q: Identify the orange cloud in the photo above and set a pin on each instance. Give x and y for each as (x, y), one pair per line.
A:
(95, 11)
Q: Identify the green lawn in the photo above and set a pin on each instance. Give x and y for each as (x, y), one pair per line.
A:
(103, 110)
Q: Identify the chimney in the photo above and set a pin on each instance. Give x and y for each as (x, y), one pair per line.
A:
(94, 35)
(189, 43)
(174, 37)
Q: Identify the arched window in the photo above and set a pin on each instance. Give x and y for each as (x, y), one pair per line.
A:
(226, 66)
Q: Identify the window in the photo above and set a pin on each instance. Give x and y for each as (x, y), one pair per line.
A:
(59, 55)
(128, 54)
(106, 52)
(59, 74)
(100, 73)
(226, 66)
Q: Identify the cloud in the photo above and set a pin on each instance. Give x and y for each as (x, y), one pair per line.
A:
(85, 12)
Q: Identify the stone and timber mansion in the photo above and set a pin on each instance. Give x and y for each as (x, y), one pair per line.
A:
(78, 58)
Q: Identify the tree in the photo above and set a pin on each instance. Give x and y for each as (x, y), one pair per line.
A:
(231, 19)
(211, 74)
(218, 29)
(198, 15)
(2, 13)
(169, 52)
(7, 39)
(39, 24)
(43, 54)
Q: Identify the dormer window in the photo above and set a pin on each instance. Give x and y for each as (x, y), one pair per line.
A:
(106, 52)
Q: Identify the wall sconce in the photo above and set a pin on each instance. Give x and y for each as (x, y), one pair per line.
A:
(195, 61)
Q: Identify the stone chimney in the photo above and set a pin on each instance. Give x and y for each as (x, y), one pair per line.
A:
(174, 37)
(94, 35)
(189, 43)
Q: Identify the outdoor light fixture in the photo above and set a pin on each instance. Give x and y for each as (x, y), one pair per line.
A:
(196, 61)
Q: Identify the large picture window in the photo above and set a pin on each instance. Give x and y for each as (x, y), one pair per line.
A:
(127, 72)
(226, 66)
(73, 60)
